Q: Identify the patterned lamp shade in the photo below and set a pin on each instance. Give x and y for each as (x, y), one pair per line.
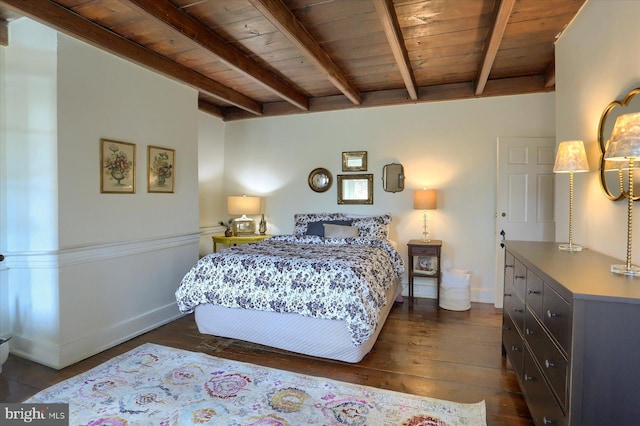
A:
(625, 139)
(571, 157)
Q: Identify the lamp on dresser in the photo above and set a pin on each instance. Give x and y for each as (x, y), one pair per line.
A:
(425, 199)
(571, 158)
(624, 146)
(243, 205)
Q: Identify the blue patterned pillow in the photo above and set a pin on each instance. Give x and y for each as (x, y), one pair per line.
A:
(373, 226)
(301, 220)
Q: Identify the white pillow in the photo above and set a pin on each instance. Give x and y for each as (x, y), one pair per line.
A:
(340, 231)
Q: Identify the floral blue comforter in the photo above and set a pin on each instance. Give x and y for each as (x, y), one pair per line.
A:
(332, 278)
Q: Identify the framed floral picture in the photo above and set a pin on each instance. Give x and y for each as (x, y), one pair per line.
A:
(117, 167)
(162, 168)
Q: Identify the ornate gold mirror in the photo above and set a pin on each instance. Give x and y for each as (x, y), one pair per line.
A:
(354, 161)
(320, 179)
(355, 189)
(614, 176)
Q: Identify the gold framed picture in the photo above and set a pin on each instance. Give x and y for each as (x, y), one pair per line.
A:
(425, 265)
(117, 167)
(161, 169)
(354, 161)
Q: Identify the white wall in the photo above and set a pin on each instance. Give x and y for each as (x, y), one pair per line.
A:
(448, 146)
(597, 62)
(104, 267)
(213, 207)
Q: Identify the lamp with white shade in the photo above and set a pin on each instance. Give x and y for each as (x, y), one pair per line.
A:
(243, 205)
(624, 146)
(425, 199)
(571, 158)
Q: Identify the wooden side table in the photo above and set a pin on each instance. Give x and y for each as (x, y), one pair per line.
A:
(234, 241)
(424, 268)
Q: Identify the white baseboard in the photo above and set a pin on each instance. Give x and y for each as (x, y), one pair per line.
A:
(60, 356)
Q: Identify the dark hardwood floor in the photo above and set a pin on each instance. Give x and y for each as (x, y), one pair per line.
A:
(421, 350)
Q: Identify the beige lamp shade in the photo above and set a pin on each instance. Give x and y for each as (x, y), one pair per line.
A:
(425, 199)
(571, 157)
(243, 205)
(625, 139)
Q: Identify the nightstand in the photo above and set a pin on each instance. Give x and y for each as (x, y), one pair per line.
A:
(234, 241)
(428, 264)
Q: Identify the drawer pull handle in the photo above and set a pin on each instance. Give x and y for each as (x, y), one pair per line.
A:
(533, 292)
(528, 331)
(518, 310)
(508, 294)
(528, 378)
(515, 349)
(508, 266)
(547, 421)
(551, 314)
(548, 364)
(519, 277)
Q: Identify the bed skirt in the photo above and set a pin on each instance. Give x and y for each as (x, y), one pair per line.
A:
(318, 337)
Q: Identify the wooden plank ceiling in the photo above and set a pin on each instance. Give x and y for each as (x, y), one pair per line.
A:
(252, 58)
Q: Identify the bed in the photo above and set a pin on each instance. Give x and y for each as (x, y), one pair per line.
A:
(324, 291)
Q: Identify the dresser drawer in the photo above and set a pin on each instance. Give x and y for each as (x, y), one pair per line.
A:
(542, 404)
(514, 306)
(535, 287)
(557, 317)
(520, 278)
(552, 362)
(513, 343)
(423, 250)
(508, 266)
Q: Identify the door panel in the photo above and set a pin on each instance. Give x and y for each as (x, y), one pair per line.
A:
(525, 193)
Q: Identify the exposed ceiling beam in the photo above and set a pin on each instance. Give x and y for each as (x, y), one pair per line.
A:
(285, 21)
(70, 23)
(4, 33)
(210, 108)
(491, 48)
(167, 13)
(550, 75)
(389, 19)
(435, 93)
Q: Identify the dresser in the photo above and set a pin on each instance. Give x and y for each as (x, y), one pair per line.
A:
(571, 331)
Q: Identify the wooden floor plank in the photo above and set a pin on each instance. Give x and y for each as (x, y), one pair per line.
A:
(421, 350)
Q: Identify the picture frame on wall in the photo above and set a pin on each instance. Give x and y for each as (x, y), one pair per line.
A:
(425, 265)
(117, 167)
(354, 161)
(161, 169)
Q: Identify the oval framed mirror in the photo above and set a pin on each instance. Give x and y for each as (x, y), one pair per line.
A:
(320, 179)
(614, 176)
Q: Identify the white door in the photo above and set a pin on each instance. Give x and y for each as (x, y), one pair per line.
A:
(524, 208)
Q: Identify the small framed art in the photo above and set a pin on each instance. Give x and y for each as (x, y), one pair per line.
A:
(425, 265)
(162, 169)
(117, 167)
(354, 161)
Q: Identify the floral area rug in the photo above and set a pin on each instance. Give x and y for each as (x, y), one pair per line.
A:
(158, 385)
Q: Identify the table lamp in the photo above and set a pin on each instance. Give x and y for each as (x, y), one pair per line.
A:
(624, 145)
(243, 205)
(571, 158)
(425, 199)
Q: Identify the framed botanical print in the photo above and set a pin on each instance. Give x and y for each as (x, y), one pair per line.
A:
(162, 168)
(117, 167)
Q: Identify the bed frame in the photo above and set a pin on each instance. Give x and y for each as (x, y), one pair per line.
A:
(318, 337)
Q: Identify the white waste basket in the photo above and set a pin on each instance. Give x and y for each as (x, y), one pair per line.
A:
(455, 293)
